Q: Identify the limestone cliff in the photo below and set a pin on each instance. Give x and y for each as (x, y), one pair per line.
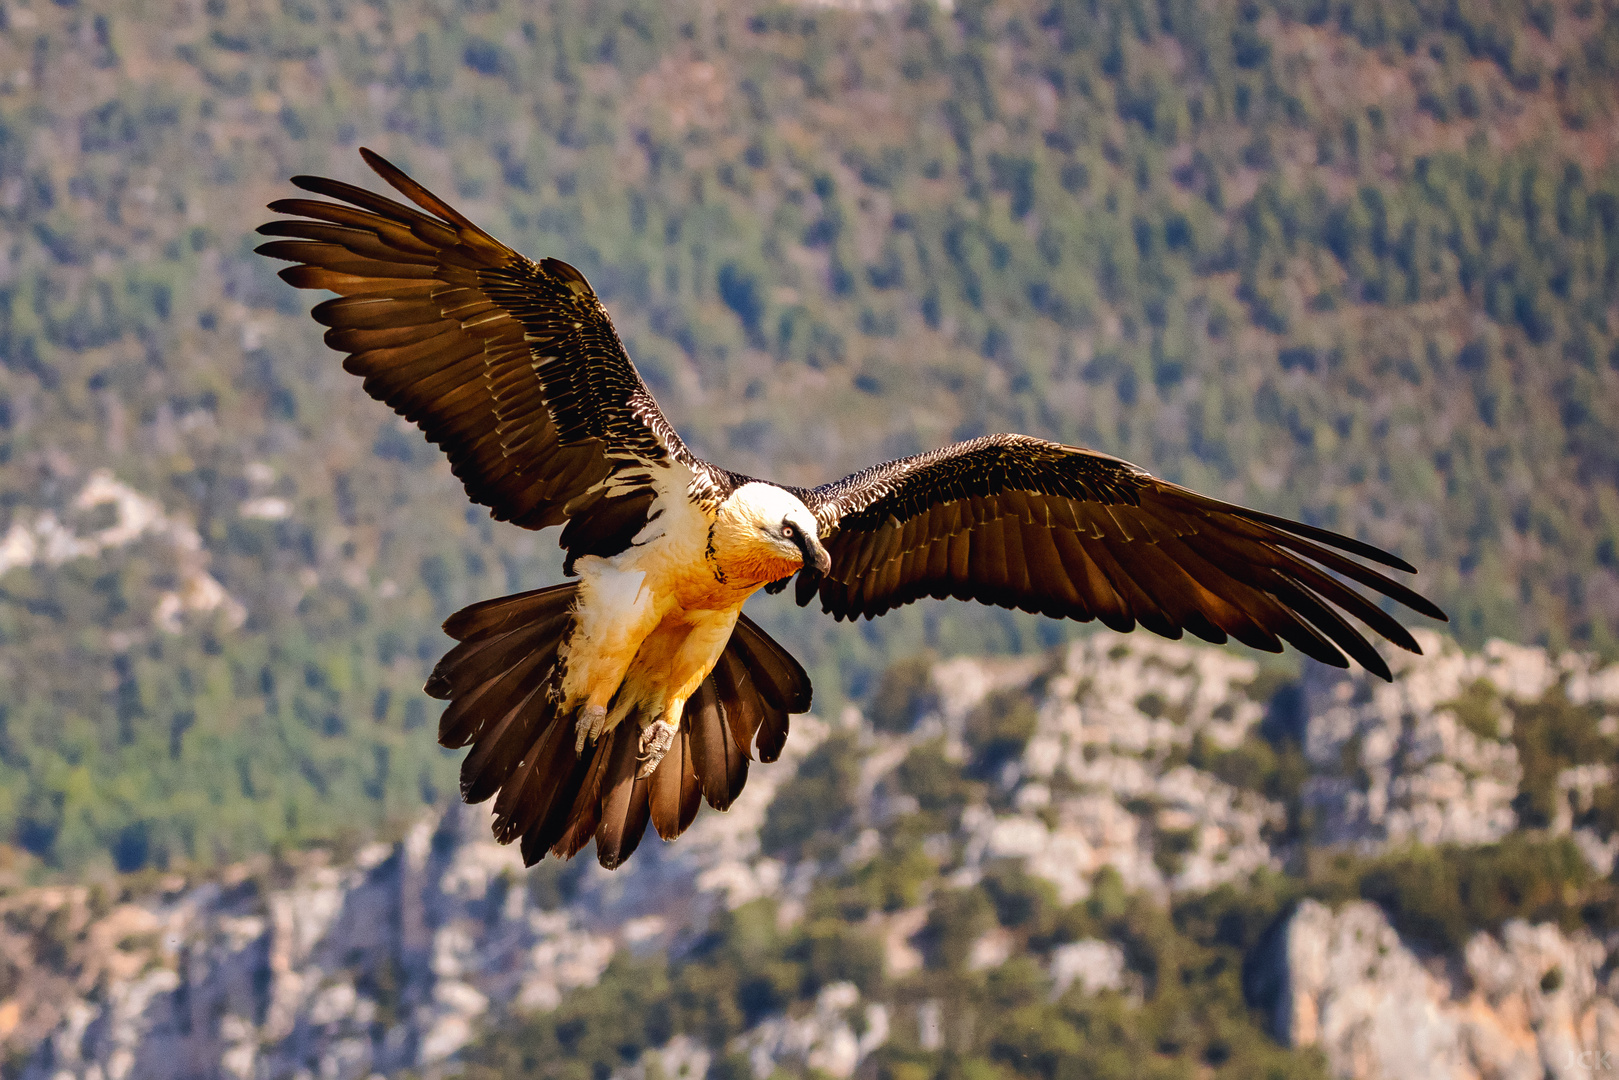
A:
(1529, 1003)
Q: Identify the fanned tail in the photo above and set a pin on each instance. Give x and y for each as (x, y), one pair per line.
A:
(501, 681)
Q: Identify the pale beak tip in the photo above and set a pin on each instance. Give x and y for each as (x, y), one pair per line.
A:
(823, 561)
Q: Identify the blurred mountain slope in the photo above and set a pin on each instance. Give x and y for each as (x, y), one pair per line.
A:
(1106, 861)
(1353, 261)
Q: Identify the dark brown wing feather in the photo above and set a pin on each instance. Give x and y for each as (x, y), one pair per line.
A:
(511, 366)
(1057, 530)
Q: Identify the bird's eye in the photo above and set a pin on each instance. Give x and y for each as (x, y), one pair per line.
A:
(788, 531)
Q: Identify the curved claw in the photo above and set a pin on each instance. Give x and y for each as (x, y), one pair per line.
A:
(656, 739)
(592, 723)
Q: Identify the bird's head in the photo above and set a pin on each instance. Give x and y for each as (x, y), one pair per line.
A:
(765, 533)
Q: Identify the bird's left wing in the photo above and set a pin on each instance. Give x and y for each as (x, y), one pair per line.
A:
(511, 366)
(1024, 523)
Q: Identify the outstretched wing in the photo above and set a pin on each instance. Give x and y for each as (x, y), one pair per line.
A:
(511, 366)
(1058, 530)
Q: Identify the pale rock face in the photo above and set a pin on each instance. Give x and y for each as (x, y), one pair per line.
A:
(1098, 790)
(1578, 787)
(681, 1058)
(1531, 1003)
(385, 965)
(1093, 965)
(1393, 763)
(963, 683)
(900, 957)
(47, 540)
(823, 1040)
(1354, 990)
(726, 846)
(991, 950)
(1396, 766)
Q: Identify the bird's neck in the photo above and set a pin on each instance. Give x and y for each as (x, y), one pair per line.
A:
(739, 557)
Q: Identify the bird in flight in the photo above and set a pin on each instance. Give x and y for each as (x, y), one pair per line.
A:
(639, 688)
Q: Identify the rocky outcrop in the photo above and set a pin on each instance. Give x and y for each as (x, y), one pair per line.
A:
(376, 966)
(1529, 1003)
(1092, 965)
(831, 1038)
(1100, 782)
(825, 1039)
(386, 962)
(48, 540)
(1395, 763)
(1429, 758)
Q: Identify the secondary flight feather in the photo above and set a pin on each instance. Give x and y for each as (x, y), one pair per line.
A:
(629, 695)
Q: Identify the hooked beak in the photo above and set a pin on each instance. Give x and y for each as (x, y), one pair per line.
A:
(816, 564)
(816, 561)
(822, 561)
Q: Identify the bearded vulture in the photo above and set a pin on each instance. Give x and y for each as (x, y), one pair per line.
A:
(630, 693)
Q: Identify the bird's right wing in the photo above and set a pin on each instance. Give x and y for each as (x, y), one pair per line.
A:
(1024, 523)
(511, 366)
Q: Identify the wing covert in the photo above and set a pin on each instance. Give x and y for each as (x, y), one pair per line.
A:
(1023, 523)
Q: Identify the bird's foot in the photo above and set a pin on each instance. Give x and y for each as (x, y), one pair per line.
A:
(592, 723)
(656, 739)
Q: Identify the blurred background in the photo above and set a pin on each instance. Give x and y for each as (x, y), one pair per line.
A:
(1355, 261)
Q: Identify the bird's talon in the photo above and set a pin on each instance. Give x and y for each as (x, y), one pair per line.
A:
(592, 721)
(656, 739)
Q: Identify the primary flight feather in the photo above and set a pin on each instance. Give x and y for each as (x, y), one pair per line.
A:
(627, 696)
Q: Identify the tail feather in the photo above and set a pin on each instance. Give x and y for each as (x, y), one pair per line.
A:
(783, 685)
(739, 700)
(481, 659)
(471, 715)
(528, 794)
(448, 678)
(675, 793)
(490, 764)
(545, 835)
(587, 804)
(772, 734)
(509, 612)
(721, 767)
(625, 800)
(512, 636)
(781, 679)
(498, 681)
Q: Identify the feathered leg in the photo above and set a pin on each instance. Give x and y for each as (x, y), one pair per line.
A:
(614, 615)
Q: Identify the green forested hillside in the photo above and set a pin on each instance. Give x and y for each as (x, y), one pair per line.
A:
(1357, 261)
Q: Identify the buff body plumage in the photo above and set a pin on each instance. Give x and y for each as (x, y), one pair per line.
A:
(652, 621)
